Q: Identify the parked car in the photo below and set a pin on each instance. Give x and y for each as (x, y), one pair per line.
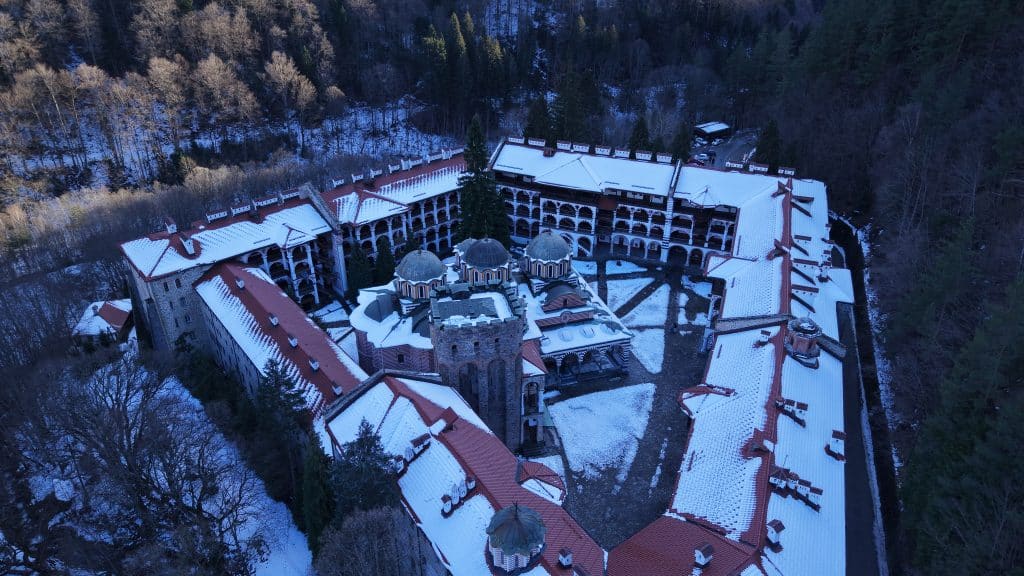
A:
(700, 142)
(702, 157)
(716, 141)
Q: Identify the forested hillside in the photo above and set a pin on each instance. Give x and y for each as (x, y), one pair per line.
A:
(115, 113)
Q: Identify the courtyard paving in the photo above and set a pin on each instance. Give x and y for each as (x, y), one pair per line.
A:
(610, 506)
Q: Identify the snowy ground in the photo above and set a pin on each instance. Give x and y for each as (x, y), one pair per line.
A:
(699, 288)
(585, 268)
(287, 551)
(653, 311)
(601, 431)
(620, 291)
(649, 348)
(332, 312)
(622, 267)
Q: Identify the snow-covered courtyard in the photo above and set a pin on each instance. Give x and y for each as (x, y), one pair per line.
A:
(600, 431)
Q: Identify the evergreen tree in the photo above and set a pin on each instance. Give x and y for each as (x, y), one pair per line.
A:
(481, 208)
(640, 138)
(538, 120)
(683, 141)
(317, 505)
(384, 270)
(277, 395)
(769, 146)
(358, 271)
(362, 476)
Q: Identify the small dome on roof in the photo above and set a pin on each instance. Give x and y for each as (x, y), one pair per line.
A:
(486, 253)
(547, 246)
(420, 266)
(516, 530)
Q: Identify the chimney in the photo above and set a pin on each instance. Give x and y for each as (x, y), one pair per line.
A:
(188, 244)
(775, 528)
(565, 558)
(170, 225)
(837, 445)
(823, 271)
(702, 555)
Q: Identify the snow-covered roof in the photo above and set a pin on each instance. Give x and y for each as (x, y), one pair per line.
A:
(738, 437)
(405, 411)
(712, 127)
(104, 317)
(583, 171)
(267, 325)
(291, 223)
(361, 202)
(565, 329)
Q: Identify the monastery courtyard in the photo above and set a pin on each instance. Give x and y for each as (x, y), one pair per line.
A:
(623, 440)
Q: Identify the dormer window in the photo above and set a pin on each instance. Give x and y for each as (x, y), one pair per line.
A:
(273, 320)
(293, 341)
(314, 364)
(240, 283)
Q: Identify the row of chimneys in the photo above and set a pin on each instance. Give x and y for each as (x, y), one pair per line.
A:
(314, 364)
(458, 494)
(598, 150)
(703, 554)
(403, 164)
(759, 168)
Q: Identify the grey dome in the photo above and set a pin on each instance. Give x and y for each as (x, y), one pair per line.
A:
(516, 530)
(486, 253)
(547, 246)
(420, 266)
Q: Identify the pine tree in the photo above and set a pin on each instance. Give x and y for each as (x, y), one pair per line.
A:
(640, 139)
(683, 141)
(277, 393)
(769, 146)
(317, 505)
(358, 271)
(538, 120)
(362, 477)
(384, 270)
(480, 206)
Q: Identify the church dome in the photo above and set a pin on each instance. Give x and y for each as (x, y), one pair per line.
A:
(420, 266)
(486, 253)
(516, 530)
(547, 246)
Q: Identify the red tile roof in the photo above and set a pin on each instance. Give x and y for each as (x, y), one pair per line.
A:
(484, 456)
(665, 548)
(385, 179)
(262, 299)
(113, 315)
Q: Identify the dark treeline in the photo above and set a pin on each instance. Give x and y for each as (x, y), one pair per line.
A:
(912, 111)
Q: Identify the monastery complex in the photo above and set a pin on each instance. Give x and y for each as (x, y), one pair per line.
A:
(452, 361)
